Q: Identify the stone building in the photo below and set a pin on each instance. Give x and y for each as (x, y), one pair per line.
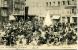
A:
(10, 8)
(65, 10)
(58, 10)
(19, 9)
(4, 10)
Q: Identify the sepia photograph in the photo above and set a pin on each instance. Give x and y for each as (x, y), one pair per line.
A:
(40, 24)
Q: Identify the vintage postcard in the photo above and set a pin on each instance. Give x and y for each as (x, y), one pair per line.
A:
(38, 24)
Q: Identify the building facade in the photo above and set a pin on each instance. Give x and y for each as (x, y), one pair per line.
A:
(10, 8)
(4, 10)
(18, 9)
(62, 10)
(66, 9)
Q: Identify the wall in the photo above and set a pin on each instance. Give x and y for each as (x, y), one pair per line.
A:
(39, 7)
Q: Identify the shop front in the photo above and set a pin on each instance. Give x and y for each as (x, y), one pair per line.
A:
(73, 23)
(55, 19)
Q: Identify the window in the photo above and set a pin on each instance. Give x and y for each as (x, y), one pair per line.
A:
(68, 2)
(50, 3)
(72, 0)
(58, 2)
(4, 12)
(5, 3)
(46, 3)
(22, 7)
(68, 18)
(16, 6)
(16, 11)
(63, 2)
(54, 3)
(72, 10)
(75, 19)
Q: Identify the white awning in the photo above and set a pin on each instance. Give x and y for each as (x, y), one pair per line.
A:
(55, 17)
(75, 16)
(11, 17)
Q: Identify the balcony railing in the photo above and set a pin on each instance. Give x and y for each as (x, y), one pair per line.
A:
(5, 6)
(70, 6)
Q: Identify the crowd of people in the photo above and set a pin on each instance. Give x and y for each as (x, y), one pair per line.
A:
(31, 32)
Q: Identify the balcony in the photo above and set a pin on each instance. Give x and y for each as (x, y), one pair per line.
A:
(4, 6)
(70, 6)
